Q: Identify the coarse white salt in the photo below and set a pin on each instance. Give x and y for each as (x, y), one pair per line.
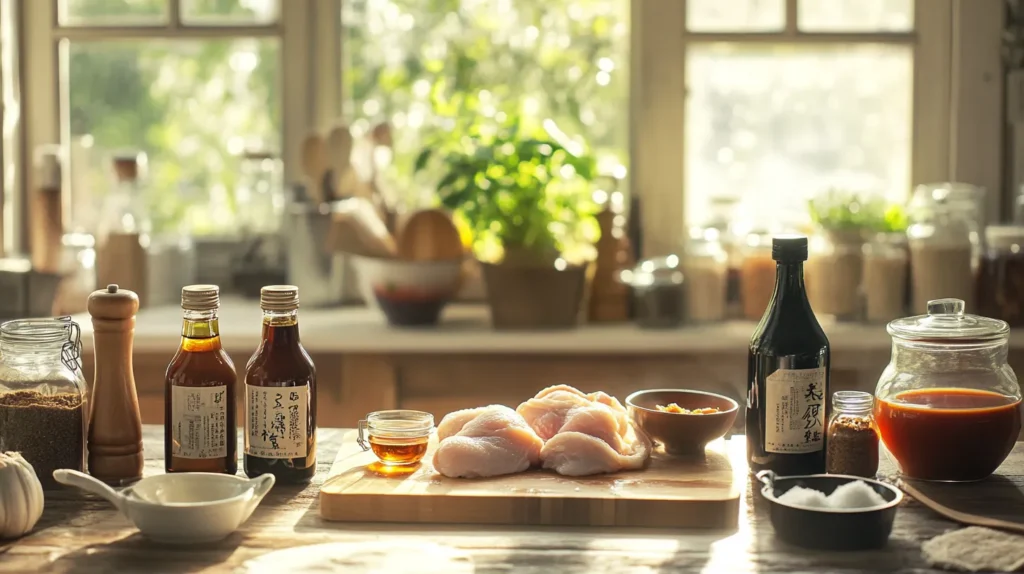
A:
(806, 497)
(855, 494)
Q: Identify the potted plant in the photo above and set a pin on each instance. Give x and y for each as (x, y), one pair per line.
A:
(525, 195)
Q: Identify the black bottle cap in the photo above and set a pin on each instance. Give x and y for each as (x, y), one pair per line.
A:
(789, 248)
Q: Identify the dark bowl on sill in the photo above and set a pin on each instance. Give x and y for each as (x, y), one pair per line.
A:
(411, 312)
(829, 529)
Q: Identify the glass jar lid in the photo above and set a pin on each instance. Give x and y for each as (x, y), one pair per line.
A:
(947, 321)
(654, 271)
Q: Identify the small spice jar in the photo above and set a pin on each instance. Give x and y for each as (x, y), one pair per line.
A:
(852, 438)
(43, 408)
(397, 437)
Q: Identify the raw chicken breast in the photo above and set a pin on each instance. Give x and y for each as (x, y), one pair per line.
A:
(488, 441)
(589, 443)
(547, 411)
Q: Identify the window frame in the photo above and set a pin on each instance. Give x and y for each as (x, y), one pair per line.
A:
(958, 77)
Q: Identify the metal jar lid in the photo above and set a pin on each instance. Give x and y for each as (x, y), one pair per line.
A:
(947, 322)
(200, 297)
(279, 298)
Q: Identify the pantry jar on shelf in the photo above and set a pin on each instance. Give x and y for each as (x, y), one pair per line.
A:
(943, 241)
(706, 269)
(834, 271)
(757, 275)
(885, 277)
(1000, 288)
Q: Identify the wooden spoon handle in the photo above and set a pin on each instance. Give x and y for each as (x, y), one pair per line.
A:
(958, 516)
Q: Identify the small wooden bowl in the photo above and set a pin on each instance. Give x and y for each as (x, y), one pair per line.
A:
(682, 434)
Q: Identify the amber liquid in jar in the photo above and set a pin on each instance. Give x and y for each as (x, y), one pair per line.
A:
(948, 434)
(199, 400)
(280, 398)
(397, 451)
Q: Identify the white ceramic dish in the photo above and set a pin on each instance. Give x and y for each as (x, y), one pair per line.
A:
(426, 276)
(186, 508)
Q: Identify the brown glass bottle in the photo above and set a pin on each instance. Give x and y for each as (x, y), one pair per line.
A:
(199, 408)
(280, 395)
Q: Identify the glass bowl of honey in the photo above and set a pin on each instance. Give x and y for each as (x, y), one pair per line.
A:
(396, 437)
(947, 406)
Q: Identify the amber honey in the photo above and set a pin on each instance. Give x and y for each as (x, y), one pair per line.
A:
(400, 451)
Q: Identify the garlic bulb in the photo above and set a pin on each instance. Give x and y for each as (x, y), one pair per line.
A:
(21, 496)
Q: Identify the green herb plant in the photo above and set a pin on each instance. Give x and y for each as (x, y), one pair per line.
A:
(524, 192)
(843, 211)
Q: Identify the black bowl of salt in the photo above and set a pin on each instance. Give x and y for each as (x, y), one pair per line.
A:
(831, 511)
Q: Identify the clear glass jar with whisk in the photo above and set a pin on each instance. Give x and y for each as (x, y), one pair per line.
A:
(43, 395)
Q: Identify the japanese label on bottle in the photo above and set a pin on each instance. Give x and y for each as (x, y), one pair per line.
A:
(795, 411)
(199, 417)
(276, 419)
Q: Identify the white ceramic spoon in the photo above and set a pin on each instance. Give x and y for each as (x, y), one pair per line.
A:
(183, 508)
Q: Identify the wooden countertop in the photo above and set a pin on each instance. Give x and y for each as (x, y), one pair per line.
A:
(80, 533)
(466, 329)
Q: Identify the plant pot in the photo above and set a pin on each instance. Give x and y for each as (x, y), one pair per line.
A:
(525, 296)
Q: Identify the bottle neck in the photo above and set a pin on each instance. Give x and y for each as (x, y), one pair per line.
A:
(281, 328)
(200, 330)
(790, 292)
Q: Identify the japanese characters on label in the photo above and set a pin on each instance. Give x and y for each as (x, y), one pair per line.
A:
(199, 416)
(276, 419)
(795, 411)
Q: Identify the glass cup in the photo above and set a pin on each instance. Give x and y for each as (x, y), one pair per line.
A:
(396, 437)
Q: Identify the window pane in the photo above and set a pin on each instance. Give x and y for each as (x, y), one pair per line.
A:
(774, 126)
(10, 120)
(229, 11)
(79, 12)
(856, 15)
(735, 15)
(426, 66)
(192, 106)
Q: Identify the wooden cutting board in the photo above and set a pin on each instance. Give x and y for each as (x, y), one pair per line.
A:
(669, 493)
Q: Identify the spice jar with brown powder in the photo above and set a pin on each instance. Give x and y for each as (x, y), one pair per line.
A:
(43, 394)
(852, 439)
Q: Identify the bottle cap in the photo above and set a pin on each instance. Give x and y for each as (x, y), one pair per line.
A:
(200, 297)
(279, 298)
(789, 248)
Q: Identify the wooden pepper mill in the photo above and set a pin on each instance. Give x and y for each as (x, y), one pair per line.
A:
(115, 426)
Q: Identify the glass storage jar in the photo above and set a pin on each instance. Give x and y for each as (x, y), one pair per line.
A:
(948, 405)
(833, 273)
(852, 438)
(885, 277)
(757, 275)
(944, 244)
(706, 271)
(43, 395)
(658, 295)
(1001, 274)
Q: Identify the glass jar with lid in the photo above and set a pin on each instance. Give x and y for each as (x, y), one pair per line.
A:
(1001, 274)
(706, 270)
(948, 405)
(944, 243)
(852, 438)
(885, 276)
(757, 275)
(657, 292)
(43, 396)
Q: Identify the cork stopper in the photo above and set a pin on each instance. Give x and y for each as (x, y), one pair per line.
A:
(113, 303)
(200, 297)
(126, 167)
(279, 298)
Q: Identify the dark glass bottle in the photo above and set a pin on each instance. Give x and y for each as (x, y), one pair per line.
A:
(788, 374)
(280, 395)
(199, 404)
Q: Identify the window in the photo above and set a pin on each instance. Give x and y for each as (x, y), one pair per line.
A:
(194, 84)
(10, 122)
(428, 66)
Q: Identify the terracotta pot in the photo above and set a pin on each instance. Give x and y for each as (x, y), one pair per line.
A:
(530, 296)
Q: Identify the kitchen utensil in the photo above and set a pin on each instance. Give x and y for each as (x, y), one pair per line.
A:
(408, 292)
(609, 298)
(182, 508)
(314, 163)
(339, 153)
(322, 275)
(670, 493)
(356, 228)
(678, 433)
(829, 528)
(957, 515)
(430, 235)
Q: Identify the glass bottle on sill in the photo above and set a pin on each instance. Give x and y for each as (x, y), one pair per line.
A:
(199, 432)
(280, 395)
(788, 374)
